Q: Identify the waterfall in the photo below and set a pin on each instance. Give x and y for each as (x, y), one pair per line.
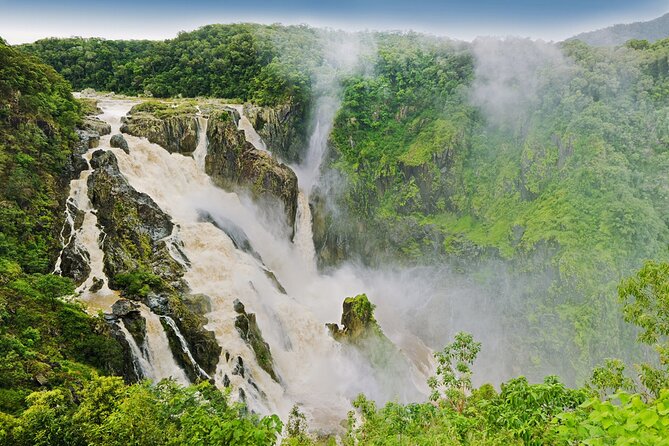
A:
(184, 345)
(303, 239)
(273, 277)
(200, 153)
(154, 359)
(142, 366)
(250, 134)
(157, 351)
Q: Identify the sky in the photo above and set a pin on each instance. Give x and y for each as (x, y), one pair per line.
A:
(28, 20)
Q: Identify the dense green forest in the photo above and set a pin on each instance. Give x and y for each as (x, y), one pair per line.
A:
(568, 189)
(247, 62)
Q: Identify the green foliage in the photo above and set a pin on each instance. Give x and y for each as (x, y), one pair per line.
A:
(296, 429)
(569, 197)
(645, 299)
(247, 62)
(621, 419)
(610, 378)
(107, 412)
(138, 283)
(454, 374)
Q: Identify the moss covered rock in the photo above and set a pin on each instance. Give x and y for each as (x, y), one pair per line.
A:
(357, 320)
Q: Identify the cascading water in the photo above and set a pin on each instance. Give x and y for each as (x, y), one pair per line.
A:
(245, 125)
(312, 368)
(154, 359)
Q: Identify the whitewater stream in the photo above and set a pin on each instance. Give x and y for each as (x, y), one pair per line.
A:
(314, 370)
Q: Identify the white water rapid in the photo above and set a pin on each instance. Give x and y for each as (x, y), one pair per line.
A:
(313, 370)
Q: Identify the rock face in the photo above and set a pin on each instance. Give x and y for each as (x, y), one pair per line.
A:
(176, 133)
(233, 163)
(282, 128)
(119, 141)
(138, 261)
(363, 334)
(128, 311)
(75, 259)
(248, 329)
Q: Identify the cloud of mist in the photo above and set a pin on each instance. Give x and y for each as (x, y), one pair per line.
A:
(510, 73)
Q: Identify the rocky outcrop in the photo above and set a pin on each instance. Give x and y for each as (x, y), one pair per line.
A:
(176, 133)
(234, 163)
(248, 329)
(119, 141)
(134, 226)
(357, 320)
(362, 333)
(282, 128)
(128, 312)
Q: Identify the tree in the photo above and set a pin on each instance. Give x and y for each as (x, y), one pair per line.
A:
(645, 299)
(454, 375)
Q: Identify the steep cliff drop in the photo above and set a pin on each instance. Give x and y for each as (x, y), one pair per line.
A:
(265, 301)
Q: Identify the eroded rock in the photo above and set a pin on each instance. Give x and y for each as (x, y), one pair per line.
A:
(232, 162)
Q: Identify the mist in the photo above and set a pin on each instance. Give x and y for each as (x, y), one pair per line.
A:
(510, 73)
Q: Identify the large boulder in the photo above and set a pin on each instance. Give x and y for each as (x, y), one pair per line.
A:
(234, 163)
(119, 141)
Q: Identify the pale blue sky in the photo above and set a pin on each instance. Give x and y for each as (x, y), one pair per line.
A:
(27, 20)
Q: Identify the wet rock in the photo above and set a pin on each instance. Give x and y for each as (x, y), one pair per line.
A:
(135, 227)
(238, 307)
(236, 234)
(89, 140)
(96, 125)
(128, 312)
(238, 369)
(198, 303)
(175, 133)
(123, 307)
(119, 141)
(75, 260)
(272, 277)
(248, 329)
(233, 163)
(97, 285)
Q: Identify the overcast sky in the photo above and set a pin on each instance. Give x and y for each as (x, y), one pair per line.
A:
(26, 20)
